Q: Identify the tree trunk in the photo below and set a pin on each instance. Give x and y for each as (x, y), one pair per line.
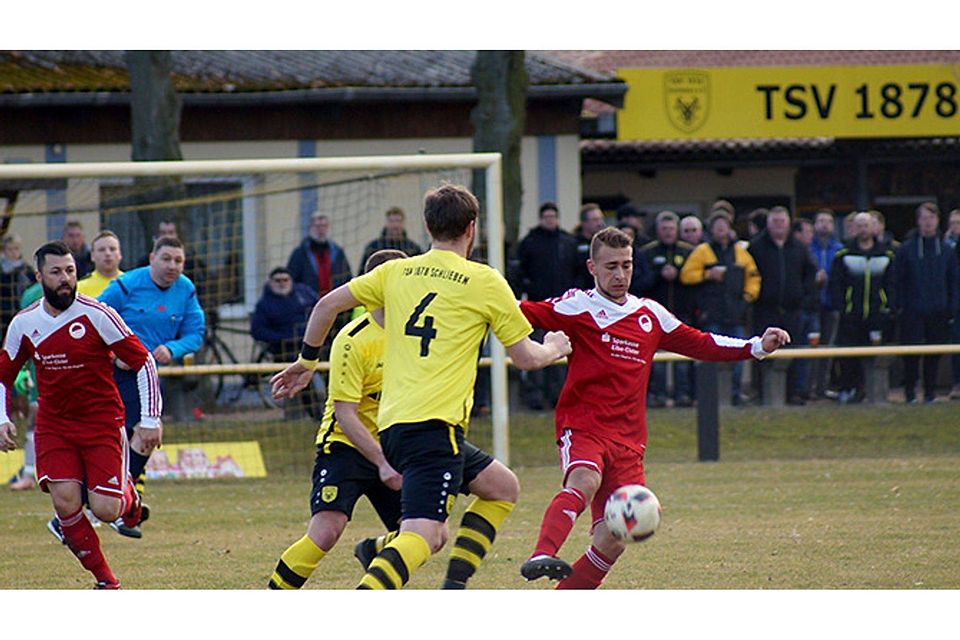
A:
(155, 120)
(499, 117)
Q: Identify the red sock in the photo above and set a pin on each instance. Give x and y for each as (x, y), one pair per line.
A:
(558, 521)
(127, 503)
(85, 545)
(588, 571)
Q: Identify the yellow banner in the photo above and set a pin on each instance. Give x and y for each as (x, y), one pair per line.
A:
(791, 102)
(10, 463)
(207, 460)
(183, 461)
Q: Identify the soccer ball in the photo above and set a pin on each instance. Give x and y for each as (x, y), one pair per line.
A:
(632, 513)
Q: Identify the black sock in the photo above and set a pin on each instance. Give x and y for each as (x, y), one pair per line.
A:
(138, 463)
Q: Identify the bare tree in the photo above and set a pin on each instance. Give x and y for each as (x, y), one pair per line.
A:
(499, 117)
(155, 123)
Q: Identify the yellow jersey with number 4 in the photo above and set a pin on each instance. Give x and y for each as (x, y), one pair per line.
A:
(438, 309)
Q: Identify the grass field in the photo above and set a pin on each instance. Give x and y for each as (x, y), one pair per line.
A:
(818, 497)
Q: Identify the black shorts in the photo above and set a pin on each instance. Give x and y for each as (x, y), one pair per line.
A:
(342, 476)
(475, 460)
(430, 456)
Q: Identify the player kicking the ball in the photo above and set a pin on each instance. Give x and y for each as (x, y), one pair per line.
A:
(80, 439)
(600, 417)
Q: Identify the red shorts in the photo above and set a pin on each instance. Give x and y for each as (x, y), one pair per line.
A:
(96, 458)
(617, 464)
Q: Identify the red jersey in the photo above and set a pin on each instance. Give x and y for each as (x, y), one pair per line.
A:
(72, 354)
(613, 347)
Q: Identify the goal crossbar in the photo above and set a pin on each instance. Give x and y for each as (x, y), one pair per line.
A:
(490, 163)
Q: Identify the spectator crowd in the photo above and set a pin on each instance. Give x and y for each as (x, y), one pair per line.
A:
(828, 284)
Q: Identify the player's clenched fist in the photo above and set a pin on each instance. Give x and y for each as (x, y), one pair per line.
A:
(774, 338)
(559, 341)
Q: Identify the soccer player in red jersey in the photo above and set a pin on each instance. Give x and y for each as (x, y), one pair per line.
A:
(600, 417)
(80, 438)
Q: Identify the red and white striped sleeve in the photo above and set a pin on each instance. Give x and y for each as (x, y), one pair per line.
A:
(12, 357)
(693, 343)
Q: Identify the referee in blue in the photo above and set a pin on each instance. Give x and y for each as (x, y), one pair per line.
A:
(160, 306)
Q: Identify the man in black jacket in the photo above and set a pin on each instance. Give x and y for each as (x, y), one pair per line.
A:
(546, 267)
(393, 236)
(788, 275)
(927, 281)
(666, 256)
(862, 278)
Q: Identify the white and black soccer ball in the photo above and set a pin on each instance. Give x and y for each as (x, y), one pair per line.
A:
(632, 513)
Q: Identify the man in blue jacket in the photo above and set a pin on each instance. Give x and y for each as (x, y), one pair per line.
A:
(280, 317)
(927, 281)
(160, 306)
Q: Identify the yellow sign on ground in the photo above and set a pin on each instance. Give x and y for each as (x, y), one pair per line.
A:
(10, 463)
(791, 102)
(183, 461)
(207, 460)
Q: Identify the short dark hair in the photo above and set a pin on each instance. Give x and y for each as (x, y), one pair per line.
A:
(55, 248)
(629, 211)
(779, 209)
(278, 270)
(799, 224)
(719, 214)
(609, 237)
(929, 206)
(377, 258)
(167, 242)
(448, 210)
(548, 206)
(106, 233)
(395, 211)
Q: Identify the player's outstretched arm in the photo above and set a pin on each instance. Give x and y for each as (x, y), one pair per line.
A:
(774, 338)
(294, 378)
(529, 355)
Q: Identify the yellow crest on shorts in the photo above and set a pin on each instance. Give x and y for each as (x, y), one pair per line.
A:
(450, 500)
(328, 494)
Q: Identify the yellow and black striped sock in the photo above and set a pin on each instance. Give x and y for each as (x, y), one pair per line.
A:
(368, 548)
(392, 567)
(381, 541)
(140, 484)
(296, 564)
(478, 529)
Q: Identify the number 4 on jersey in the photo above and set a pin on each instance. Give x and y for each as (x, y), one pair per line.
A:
(425, 332)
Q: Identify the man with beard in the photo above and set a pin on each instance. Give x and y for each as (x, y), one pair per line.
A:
(80, 447)
(160, 305)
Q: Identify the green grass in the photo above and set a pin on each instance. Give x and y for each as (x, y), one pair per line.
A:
(803, 498)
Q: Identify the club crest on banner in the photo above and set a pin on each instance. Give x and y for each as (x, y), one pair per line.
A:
(687, 96)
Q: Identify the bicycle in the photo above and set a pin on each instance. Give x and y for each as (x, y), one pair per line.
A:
(228, 388)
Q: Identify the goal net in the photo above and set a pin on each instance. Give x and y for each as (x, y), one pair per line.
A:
(239, 220)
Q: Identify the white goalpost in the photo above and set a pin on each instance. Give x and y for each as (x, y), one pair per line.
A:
(250, 213)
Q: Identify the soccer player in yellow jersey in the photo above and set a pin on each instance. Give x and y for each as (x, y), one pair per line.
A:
(106, 256)
(438, 307)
